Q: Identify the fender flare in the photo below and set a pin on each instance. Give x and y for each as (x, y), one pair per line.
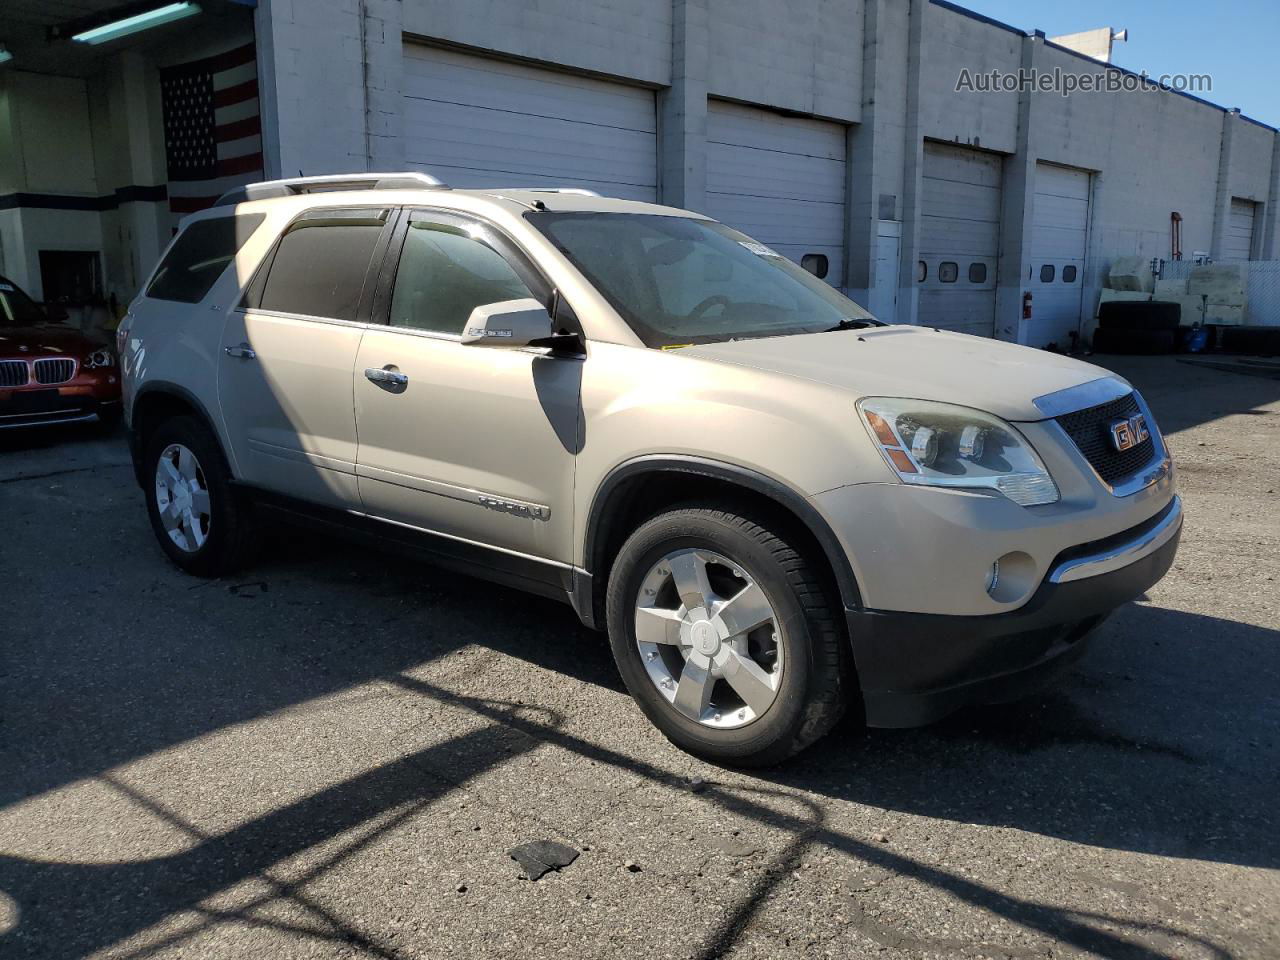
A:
(597, 526)
(170, 389)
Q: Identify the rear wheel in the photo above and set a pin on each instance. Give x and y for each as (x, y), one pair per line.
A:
(725, 637)
(203, 524)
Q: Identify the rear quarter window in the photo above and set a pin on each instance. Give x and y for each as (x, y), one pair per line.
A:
(197, 258)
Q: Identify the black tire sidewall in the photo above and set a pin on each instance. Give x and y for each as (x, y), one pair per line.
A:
(767, 739)
(210, 559)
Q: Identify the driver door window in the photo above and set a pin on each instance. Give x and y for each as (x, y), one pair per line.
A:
(444, 274)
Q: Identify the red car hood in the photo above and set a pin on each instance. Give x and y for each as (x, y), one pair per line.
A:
(43, 341)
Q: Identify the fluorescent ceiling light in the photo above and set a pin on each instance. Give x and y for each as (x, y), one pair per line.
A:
(138, 22)
(5, 55)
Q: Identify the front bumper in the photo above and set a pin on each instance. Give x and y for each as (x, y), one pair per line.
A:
(36, 408)
(915, 668)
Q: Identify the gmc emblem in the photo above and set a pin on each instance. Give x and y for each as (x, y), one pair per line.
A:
(1127, 434)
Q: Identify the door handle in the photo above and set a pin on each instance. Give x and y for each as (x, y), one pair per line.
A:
(382, 375)
(243, 351)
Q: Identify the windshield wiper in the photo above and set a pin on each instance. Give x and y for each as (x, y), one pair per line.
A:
(850, 323)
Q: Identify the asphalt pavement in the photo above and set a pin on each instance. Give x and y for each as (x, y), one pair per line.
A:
(332, 754)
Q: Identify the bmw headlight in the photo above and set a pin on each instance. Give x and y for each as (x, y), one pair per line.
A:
(942, 445)
(100, 358)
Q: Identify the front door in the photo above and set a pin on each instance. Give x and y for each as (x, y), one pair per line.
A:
(476, 444)
(287, 359)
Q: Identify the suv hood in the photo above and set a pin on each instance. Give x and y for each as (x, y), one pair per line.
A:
(915, 362)
(43, 341)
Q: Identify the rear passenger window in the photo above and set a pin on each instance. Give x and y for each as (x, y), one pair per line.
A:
(321, 264)
(444, 274)
(199, 255)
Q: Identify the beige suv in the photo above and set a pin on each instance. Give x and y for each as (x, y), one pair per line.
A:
(778, 507)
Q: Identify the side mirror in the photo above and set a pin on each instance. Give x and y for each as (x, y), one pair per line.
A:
(510, 323)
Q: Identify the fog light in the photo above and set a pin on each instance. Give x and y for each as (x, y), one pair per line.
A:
(1012, 577)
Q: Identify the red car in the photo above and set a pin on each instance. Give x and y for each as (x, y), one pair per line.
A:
(51, 372)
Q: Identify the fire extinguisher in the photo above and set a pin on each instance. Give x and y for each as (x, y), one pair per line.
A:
(1026, 305)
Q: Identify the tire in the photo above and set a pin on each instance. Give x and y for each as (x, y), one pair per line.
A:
(1111, 340)
(1149, 315)
(803, 636)
(1257, 341)
(223, 537)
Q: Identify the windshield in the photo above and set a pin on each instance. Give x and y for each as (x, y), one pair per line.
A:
(17, 309)
(680, 281)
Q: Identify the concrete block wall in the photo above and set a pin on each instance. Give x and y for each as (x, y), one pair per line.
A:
(801, 55)
(954, 42)
(622, 38)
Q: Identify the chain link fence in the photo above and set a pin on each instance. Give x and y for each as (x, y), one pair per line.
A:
(1262, 287)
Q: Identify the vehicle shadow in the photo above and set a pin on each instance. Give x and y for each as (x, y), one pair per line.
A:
(1137, 748)
(1129, 752)
(1164, 739)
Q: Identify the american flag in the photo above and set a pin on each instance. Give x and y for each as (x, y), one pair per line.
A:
(212, 128)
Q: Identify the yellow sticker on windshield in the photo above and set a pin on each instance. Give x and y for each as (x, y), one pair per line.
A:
(676, 346)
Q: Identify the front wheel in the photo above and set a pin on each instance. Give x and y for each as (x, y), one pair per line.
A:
(725, 637)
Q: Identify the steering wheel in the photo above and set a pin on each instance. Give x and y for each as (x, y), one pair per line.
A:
(716, 300)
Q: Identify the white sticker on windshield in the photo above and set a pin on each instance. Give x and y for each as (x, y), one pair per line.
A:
(759, 249)
(6, 288)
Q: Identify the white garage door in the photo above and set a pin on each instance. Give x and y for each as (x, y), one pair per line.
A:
(959, 239)
(778, 179)
(1058, 237)
(475, 122)
(1238, 243)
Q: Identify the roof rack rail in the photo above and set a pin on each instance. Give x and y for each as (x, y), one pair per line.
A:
(579, 191)
(292, 186)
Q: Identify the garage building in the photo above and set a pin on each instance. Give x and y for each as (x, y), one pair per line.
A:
(930, 204)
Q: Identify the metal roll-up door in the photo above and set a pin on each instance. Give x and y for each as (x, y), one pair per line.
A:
(1058, 244)
(477, 122)
(1238, 243)
(959, 239)
(780, 180)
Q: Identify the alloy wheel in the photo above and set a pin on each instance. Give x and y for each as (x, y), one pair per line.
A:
(182, 497)
(708, 638)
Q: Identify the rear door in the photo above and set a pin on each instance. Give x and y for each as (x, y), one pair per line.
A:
(288, 356)
(476, 444)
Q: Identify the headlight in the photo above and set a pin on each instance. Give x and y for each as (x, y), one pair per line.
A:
(941, 445)
(100, 358)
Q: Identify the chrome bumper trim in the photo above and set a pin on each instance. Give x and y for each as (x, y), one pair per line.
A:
(24, 423)
(1115, 558)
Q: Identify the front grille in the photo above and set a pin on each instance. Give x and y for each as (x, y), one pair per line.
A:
(55, 369)
(13, 373)
(1091, 431)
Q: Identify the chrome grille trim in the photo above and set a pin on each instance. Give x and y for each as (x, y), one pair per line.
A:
(13, 373)
(1156, 464)
(1083, 396)
(51, 370)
